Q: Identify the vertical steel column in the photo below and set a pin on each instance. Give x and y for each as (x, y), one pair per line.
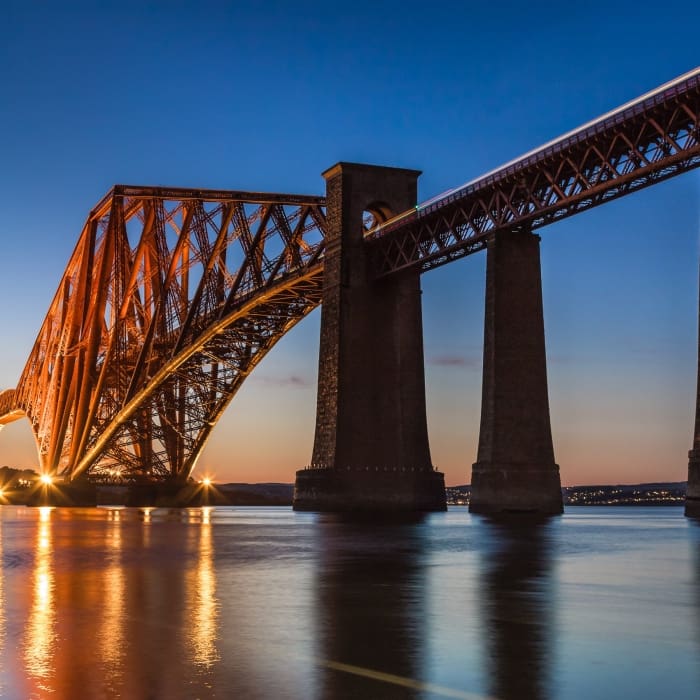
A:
(515, 468)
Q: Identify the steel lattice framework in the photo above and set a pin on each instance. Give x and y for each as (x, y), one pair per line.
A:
(172, 296)
(169, 300)
(643, 142)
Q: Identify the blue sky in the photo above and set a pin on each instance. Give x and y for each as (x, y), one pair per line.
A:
(265, 96)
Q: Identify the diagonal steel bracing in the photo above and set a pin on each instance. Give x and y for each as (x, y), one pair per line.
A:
(644, 142)
(169, 300)
(172, 296)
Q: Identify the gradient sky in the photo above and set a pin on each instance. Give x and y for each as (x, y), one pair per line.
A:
(265, 96)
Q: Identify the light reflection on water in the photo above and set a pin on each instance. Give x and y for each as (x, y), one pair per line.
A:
(267, 603)
(41, 635)
(111, 637)
(202, 594)
(2, 610)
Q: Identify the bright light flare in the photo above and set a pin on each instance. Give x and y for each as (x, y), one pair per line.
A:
(46, 479)
(206, 481)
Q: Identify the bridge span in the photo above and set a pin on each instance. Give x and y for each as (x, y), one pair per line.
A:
(172, 296)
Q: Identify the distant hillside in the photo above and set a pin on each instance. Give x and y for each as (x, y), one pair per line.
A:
(266, 494)
(278, 494)
(662, 493)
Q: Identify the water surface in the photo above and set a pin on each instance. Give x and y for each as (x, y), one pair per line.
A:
(267, 603)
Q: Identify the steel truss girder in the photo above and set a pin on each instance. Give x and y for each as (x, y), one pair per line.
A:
(169, 300)
(172, 296)
(183, 400)
(650, 141)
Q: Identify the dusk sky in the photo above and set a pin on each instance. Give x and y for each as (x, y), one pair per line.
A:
(265, 96)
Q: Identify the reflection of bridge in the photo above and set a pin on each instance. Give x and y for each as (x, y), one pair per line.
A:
(172, 297)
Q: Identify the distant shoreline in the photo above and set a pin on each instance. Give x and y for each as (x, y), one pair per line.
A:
(670, 493)
(654, 493)
(281, 494)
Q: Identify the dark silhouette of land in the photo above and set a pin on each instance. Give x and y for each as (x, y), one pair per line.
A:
(265, 494)
(663, 493)
(652, 494)
(280, 494)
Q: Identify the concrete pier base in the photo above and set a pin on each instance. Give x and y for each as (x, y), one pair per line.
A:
(509, 488)
(371, 441)
(334, 490)
(173, 495)
(692, 494)
(515, 469)
(150, 495)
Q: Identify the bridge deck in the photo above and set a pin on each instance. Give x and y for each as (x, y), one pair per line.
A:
(646, 140)
(186, 289)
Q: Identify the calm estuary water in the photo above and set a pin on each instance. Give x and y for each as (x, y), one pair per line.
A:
(267, 603)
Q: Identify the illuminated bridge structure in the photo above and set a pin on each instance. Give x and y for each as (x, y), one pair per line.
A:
(173, 296)
(169, 300)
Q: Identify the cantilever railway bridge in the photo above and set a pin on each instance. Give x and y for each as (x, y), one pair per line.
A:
(172, 296)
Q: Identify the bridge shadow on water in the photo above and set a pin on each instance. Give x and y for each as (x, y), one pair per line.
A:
(260, 603)
(371, 583)
(374, 621)
(517, 605)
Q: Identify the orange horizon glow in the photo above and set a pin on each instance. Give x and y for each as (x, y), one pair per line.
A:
(593, 450)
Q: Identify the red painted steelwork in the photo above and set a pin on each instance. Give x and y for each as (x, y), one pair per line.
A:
(172, 296)
(170, 299)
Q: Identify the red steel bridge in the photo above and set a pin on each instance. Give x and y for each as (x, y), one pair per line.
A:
(172, 296)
